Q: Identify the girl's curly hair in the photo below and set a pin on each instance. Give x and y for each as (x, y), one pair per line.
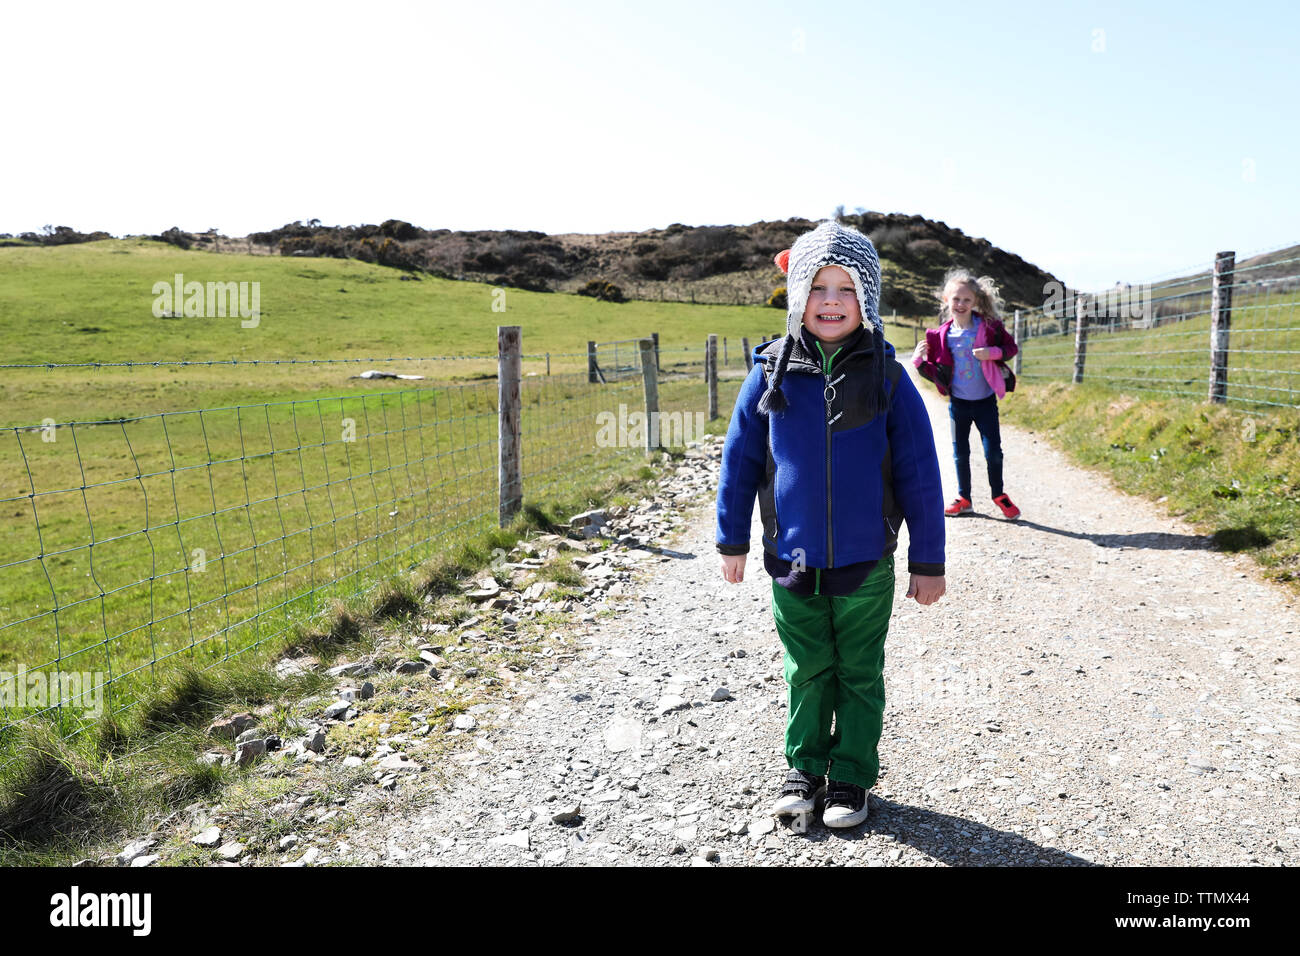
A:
(988, 301)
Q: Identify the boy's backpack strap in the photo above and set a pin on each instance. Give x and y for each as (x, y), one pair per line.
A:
(893, 372)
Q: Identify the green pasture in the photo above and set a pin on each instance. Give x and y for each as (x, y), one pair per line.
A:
(1174, 358)
(152, 515)
(94, 303)
(200, 534)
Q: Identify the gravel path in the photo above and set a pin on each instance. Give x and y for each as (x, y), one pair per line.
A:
(1095, 688)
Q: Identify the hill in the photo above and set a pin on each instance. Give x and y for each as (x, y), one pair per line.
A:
(726, 264)
(702, 264)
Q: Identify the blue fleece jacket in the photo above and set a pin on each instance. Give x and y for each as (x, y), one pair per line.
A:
(833, 488)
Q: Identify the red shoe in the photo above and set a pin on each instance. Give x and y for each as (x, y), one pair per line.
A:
(1010, 511)
(959, 506)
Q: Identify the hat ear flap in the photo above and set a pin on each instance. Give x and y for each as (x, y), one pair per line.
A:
(782, 261)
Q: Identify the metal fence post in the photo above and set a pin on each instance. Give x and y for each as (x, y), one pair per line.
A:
(509, 475)
(650, 379)
(1220, 324)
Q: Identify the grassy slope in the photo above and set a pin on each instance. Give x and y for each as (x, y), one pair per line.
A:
(1175, 358)
(229, 491)
(93, 302)
(1234, 476)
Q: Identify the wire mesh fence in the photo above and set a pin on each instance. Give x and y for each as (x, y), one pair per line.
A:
(621, 358)
(1229, 334)
(127, 545)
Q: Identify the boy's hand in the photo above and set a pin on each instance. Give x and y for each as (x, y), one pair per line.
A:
(733, 568)
(926, 588)
(982, 353)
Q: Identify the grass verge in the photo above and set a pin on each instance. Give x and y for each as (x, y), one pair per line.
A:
(1234, 476)
(67, 799)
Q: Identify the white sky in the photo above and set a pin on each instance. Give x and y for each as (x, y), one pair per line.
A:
(1098, 141)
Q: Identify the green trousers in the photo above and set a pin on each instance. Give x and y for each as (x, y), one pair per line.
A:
(834, 669)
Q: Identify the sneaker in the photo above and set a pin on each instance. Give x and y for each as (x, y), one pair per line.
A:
(959, 506)
(846, 805)
(1009, 510)
(799, 793)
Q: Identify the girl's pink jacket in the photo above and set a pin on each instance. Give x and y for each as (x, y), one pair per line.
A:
(992, 334)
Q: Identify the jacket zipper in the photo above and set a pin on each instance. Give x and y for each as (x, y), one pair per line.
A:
(827, 393)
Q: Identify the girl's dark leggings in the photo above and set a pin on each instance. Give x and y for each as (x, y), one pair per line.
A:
(984, 414)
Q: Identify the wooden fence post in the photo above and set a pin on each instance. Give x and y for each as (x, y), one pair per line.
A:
(724, 351)
(591, 362)
(749, 359)
(650, 379)
(509, 474)
(655, 336)
(1080, 339)
(548, 363)
(1220, 324)
(1016, 332)
(711, 373)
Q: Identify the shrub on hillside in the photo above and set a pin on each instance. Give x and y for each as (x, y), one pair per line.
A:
(61, 236)
(518, 280)
(690, 253)
(174, 236)
(388, 252)
(777, 299)
(399, 230)
(485, 261)
(924, 249)
(889, 238)
(292, 230)
(605, 291)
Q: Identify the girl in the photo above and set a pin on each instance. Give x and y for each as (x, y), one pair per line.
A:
(836, 444)
(966, 356)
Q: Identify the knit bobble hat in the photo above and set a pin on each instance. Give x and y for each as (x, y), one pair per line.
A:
(830, 244)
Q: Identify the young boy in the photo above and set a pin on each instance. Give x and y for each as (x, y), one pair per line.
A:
(836, 443)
